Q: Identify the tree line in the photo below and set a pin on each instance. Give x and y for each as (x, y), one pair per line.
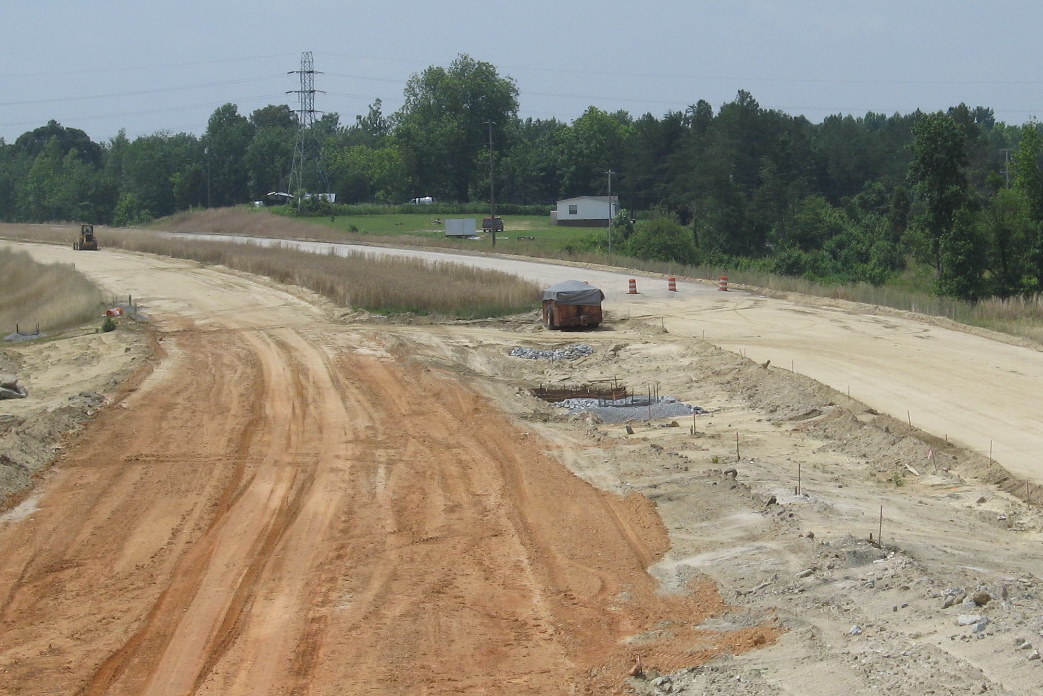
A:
(850, 199)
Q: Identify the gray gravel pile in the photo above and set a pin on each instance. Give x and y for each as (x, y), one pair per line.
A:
(631, 408)
(568, 353)
(22, 337)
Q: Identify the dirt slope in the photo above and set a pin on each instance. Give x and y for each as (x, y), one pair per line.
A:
(284, 507)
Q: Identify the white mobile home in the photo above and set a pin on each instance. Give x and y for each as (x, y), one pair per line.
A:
(586, 211)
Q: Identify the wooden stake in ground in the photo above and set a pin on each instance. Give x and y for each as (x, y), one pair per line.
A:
(880, 528)
(736, 445)
(798, 478)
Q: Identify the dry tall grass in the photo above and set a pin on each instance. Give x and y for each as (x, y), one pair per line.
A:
(246, 223)
(1021, 317)
(53, 296)
(380, 285)
(383, 285)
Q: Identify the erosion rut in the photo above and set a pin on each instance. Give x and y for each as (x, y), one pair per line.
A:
(280, 513)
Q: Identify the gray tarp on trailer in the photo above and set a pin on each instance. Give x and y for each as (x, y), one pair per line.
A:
(574, 292)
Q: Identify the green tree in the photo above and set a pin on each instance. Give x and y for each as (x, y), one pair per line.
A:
(962, 249)
(898, 214)
(527, 172)
(268, 158)
(646, 165)
(810, 223)
(443, 125)
(588, 148)
(370, 129)
(228, 135)
(130, 211)
(35, 141)
(1009, 235)
(936, 172)
(662, 239)
(157, 168)
(11, 176)
(1025, 167)
(57, 186)
(274, 116)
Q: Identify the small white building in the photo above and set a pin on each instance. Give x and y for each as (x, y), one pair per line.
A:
(586, 211)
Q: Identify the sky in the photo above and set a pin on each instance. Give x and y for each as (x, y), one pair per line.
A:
(106, 65)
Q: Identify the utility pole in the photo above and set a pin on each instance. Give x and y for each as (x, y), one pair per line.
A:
(307, 151)
(1006, 165)
(206, 153)
(610, 173)
(492, 197)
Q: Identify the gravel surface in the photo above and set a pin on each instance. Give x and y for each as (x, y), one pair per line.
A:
(568, 353)
(638, 408)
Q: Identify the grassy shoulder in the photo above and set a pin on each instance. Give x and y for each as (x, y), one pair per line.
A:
(52, 297)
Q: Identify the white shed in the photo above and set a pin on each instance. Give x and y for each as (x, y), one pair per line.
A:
(586, 211)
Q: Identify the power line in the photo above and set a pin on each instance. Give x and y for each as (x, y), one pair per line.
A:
(141, 92)
(140, 68)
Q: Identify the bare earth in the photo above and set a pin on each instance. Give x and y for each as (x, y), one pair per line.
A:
(292, 503)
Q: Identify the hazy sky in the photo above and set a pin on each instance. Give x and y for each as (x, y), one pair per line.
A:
(102, 65)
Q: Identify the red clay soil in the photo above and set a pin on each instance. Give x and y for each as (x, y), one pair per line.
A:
(275, 515)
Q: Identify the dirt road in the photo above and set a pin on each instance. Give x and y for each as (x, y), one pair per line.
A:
(969, 389)
(287, 505)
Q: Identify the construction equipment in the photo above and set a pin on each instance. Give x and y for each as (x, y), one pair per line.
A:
(87, 240)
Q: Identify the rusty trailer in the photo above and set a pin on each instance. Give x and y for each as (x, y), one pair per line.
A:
(572, 303)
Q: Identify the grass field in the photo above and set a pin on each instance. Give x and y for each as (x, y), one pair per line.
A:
(51, 296)
(522, 233)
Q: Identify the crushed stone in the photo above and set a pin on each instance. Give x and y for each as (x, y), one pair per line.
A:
(572, 352)
(635, 408)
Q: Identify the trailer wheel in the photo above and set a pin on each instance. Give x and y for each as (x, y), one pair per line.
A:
(548, 320)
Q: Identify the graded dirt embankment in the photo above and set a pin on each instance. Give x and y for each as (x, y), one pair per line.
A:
(289, 504)
(283, 507)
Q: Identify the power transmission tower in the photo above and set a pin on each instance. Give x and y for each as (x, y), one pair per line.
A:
(308, 171)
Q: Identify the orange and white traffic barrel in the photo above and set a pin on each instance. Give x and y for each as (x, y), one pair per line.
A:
(633, 287)
(671, 284)
(722, 284)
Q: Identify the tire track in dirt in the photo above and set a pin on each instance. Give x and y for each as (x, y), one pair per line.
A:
(160, 629)
(287, 511)
(246, 538)
(109, 515)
